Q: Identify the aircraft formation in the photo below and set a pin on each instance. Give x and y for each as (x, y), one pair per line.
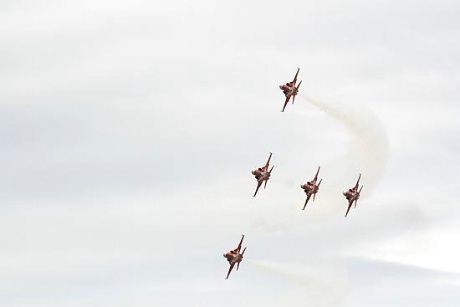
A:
(311, 188)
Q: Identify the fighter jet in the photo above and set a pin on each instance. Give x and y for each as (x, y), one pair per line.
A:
(352, 195)
(262, 174)
(311, 188)
(290, 90)
(235, 257)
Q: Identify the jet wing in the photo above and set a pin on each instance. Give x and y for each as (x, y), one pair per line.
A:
(306, 201)
(316, 176)
(295, 77)
(288, 96)
(230, 270)
(259, 183)
(268, 161)
(357, 183)
(239, 245)
(319, 183)
(349, 206)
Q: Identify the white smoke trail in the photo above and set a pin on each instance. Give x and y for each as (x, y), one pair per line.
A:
(319, 285)
(368, 150)
(323, 282)
(367, 153)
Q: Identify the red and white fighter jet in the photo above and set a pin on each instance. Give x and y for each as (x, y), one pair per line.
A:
(262, 174)
(290, 90)
(311, 188)
(352, 195)
(235, 257)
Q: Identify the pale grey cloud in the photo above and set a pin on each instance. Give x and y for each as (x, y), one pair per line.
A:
(128, 131)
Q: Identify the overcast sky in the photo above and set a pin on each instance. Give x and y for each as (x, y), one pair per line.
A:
(129, 129)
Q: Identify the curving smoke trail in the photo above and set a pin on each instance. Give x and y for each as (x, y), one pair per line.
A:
(369, 147)
(367, 153)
